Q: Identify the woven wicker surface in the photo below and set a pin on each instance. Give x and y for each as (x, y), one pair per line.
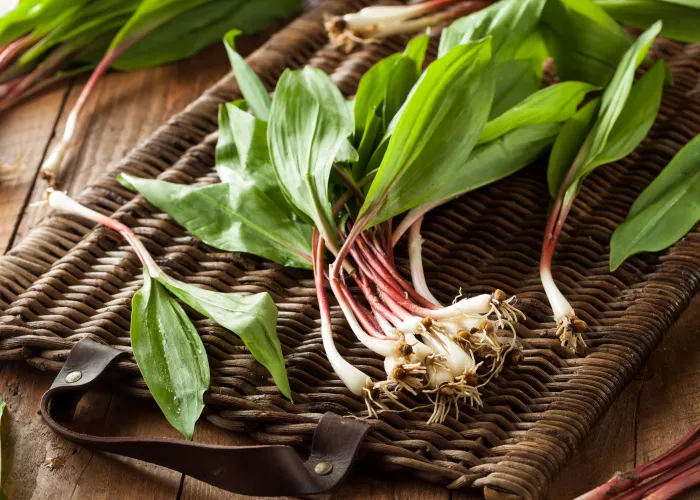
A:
(65, 282)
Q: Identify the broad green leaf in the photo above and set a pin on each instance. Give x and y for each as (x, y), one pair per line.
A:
(568, 143)
(253, 318)
(242, 152)
(629, 114)
(2, 410)
(235, 216)
(170, 355)
(309, 121)
(556, 103)
(28, 15)
(201, 24)
(86, 22)
(401, 80)
(347, 153)
(508, 22)
(416, 49)
(500, 158)
(515, 80)
(371, 132)
(438, 126)
(681, 18)
(586, 43)
(636, 118)
(371, 92)
(665, 211)
(250, 84)
(150, 15)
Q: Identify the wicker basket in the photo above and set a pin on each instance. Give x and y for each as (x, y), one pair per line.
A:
(66, 282)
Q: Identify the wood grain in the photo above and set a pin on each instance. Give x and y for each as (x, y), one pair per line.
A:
(125, 109)
(25, 131)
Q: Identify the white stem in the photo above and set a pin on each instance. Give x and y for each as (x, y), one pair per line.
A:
(415, 243)
(481, 304)
(380, 14)
(420, 350)
(560, 306)
(353, 378)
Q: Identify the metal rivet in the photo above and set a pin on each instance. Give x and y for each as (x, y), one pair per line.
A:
(323, 468)
(74, 376)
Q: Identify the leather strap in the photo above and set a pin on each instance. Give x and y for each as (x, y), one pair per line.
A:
(250, 470)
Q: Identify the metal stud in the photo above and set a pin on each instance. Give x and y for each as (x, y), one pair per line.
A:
(323, 468)
(74, 376)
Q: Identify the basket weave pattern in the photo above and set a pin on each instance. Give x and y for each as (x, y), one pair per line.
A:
(65, 282)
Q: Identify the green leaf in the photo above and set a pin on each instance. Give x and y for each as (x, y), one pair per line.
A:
(500, 158)
(347, 153)
(250, 84)
(170, 355)
(150, 15)
(568, 144)
(624, 118)
(28, 15)
(438, 126)
(253, 318)
(665, 211)
(586, 43)
(635, 120)
(515, 80)
(556, 103)
(681, 18)
(366, 147)
(309, 122)
(402, 78)
(235, 216)
(242, 152)
(191, 26)
(80, 25)
(371, 92)
(508, 22)
(416, 50)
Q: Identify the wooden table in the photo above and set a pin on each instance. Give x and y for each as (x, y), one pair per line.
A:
(652, 413)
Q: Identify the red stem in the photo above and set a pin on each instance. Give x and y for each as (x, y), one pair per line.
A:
(374, 301)
(681, 483)
(317, 263)
(12, 50)
(403, 284)
(342, 293)
(389, 247)
(653, 484)
(672, 458)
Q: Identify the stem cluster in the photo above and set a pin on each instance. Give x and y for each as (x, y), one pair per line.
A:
(445, 353)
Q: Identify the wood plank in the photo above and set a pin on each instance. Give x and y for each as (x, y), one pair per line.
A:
(42, 466)
(125, 109)
(669, 400)
(25, 131)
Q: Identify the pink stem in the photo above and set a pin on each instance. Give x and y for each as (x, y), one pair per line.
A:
(317, 258)
(343, 294)
(644, 489)
(383, 261)
(389, 246)
(677, 455)
(376, 304)
(681, 483)
(12, 50)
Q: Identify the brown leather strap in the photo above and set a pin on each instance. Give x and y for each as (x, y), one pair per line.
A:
(249, 470)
